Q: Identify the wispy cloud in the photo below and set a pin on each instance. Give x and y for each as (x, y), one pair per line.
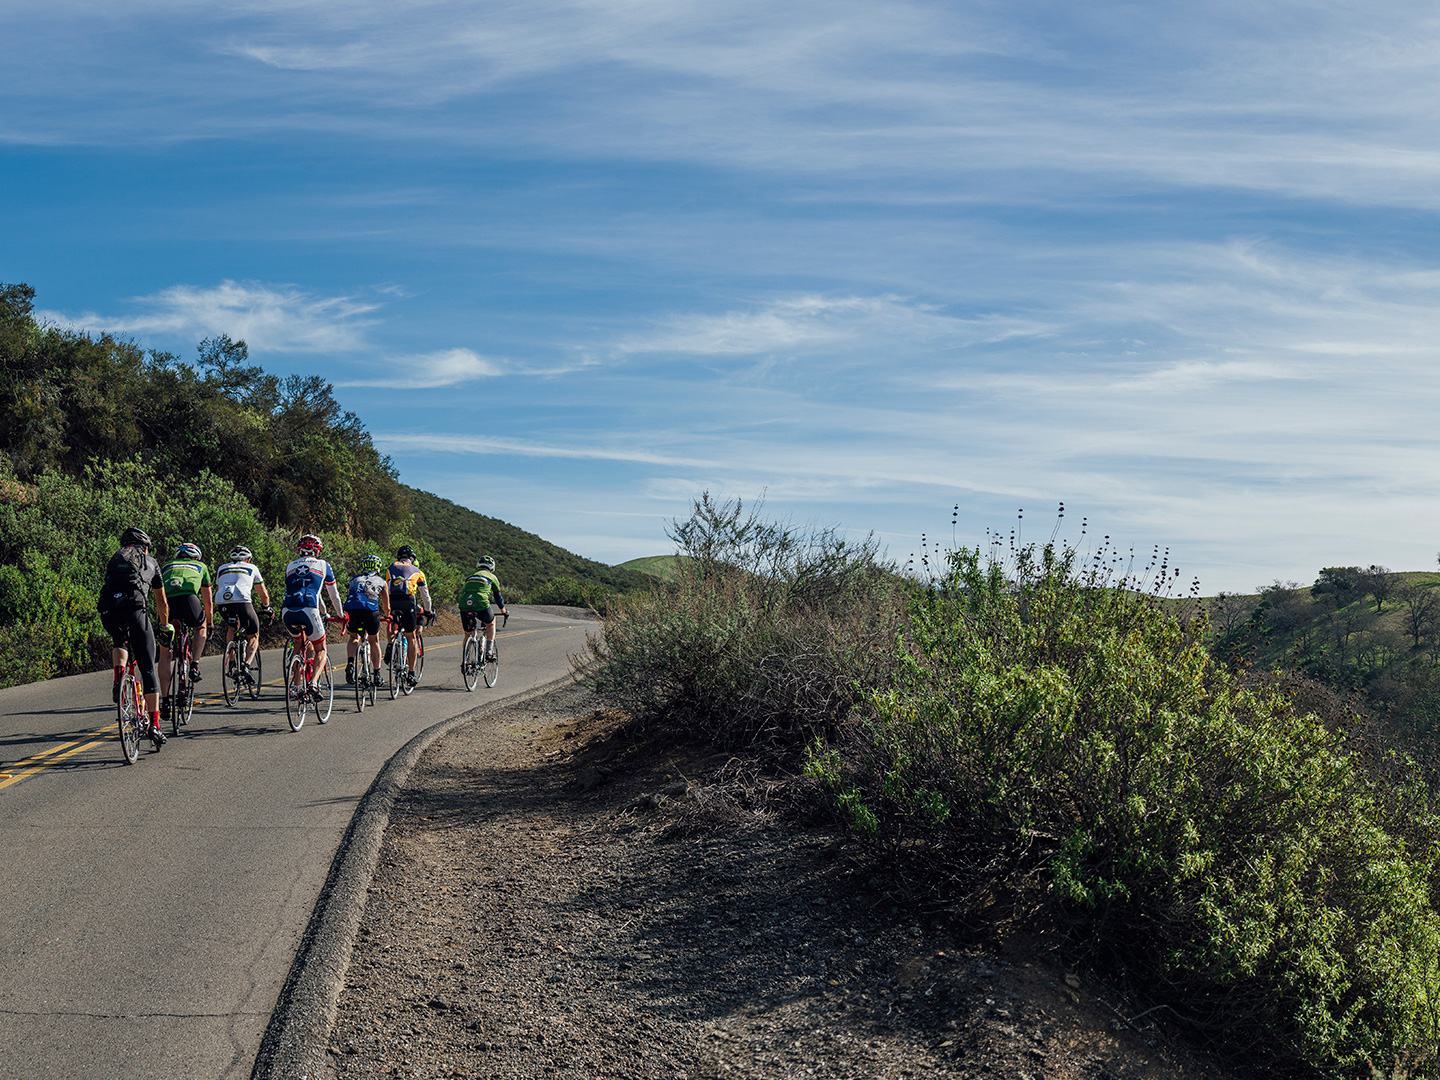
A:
(448, 367)
(268, 318)
(485, 445)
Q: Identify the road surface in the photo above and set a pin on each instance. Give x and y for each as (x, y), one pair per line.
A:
(149, 913)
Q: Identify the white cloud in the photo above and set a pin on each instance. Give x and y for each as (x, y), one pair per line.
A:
(268, 318)
(446, 367)
(485, 445)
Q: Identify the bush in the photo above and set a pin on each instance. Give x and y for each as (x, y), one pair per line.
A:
(1217, 848)
(770, 633)
(572, 592)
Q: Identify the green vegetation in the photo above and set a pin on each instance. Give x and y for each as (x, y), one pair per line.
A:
(98, 434)
(524, 562)
(664, 567)
(1048, 736)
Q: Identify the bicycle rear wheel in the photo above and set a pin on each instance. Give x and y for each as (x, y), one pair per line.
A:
(397, 665)
(131, 715)
(419, 653)
(295, 687)
(230, 670)
(254, 675)
(362, 674)
(470, 664)
(184, 708)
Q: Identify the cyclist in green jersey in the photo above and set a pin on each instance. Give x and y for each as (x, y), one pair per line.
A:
(481, 589)
(189, 590)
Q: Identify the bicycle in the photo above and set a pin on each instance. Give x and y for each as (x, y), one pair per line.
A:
(472, 666)
(364, 674)
(182, 687)
(299, 672)
(397, 653)
(236, 676)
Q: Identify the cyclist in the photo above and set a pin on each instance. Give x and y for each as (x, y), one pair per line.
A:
(481, 589)
(367, 600)
(188, 592)
(237, 585)
(305, 578)
(129, 578)
(409, 600)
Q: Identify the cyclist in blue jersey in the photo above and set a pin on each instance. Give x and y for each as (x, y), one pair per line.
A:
(305, 579)
(367, 601)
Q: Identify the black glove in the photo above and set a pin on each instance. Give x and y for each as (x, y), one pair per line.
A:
(430, 618)
(165, 635)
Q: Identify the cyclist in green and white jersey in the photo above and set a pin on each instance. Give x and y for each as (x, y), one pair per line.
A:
(189, 590)
(481, 589)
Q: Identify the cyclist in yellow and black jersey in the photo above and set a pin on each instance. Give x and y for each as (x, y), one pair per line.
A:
(409, 599)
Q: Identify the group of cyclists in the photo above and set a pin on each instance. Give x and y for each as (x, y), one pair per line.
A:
(185, 594)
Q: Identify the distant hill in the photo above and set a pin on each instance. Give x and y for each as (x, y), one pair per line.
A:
(524, 561)
(664, 567)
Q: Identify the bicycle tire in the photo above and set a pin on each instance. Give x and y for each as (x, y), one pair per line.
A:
(230, 671)
(491, 668)
(325, 685)
(397, 665)
(255, 678)
(295, 697)
(187, 704)
(419, 653)
(470, 664)
(130, 715)
(373, 675)
(362, 672)
(180, 686)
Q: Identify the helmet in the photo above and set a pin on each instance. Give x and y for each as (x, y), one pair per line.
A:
(486, 562)
(310, 544)
(188, 551)
(371, 564)
(240, 553)
(405, 552)
(135, 537)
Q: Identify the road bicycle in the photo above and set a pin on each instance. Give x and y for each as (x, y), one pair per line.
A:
(236, 676)
(182, 686)
(300, 696)
(474, 663)
(365, 674)
(134, 724)
(397, 653)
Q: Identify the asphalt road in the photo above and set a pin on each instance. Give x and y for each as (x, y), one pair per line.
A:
(149, 913)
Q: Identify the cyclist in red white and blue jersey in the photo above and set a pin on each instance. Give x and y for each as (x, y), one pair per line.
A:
(305, 580)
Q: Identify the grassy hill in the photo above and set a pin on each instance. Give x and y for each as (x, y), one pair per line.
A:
(664, 567)
(524, 561)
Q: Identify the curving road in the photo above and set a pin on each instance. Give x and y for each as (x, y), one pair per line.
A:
(149, 913)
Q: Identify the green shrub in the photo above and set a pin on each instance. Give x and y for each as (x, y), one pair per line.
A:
(770, 633)
(1218, 848)
(572, 592)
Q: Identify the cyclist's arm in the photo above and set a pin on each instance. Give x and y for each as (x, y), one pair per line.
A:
(262, 593)
(334, 595)
(207, 598)
(499, 599)
(422, 595)
(385, 602)
(162, 608)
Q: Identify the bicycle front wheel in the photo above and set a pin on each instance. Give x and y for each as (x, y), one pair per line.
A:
(470, 664)
(131, 715)
(230, 671)
(325, 695)
(491, 669)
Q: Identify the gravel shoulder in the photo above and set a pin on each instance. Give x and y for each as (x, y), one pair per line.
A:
(555, 897)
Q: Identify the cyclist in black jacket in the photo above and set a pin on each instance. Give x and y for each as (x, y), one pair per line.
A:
(129, 578)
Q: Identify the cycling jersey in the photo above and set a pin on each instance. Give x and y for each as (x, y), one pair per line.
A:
(481, 589)
(304, 579)
(236, 581)
(364, 592)
(407, 586)
(185, 577)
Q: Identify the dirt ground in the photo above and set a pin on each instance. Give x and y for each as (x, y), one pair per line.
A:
(555, 899)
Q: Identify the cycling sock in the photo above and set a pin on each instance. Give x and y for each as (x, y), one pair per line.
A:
(119, 671)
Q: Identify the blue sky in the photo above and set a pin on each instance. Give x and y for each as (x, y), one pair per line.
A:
(575, 262)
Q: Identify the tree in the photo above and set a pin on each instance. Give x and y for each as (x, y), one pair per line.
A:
(1422, 609)
(1380, 583)
(1339, 585)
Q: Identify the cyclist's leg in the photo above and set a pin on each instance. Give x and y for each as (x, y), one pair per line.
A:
(115, 625)
(489, 618)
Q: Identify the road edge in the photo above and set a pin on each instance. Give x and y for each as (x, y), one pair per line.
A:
(295, 1041)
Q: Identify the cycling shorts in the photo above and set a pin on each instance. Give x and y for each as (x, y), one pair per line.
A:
(363, 619)
(129, 628)
(405, 613)
(244, 615)
(484, 615)
(304, 620)
(187, 611)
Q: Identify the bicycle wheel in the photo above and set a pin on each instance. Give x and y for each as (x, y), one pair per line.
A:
(296, 683)
(325, 688)
(397, 665)
(419, 653)
(362, 674)
(470, 664)
(254, 676)
(230, 671)
(491, 668)
(184, 707)
(131, 716)
(371, 677)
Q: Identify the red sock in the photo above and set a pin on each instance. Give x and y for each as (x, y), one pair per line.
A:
(119, 671)
(155, 719)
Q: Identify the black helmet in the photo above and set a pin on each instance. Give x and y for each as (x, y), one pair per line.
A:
(405, 552)
(134, 537)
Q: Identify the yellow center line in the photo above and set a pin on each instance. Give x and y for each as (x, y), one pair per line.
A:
(15, 778)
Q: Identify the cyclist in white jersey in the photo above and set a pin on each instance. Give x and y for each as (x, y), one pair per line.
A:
(237, 585)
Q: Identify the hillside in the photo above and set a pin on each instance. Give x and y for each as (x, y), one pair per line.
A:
(664, 567)
(524, 561)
